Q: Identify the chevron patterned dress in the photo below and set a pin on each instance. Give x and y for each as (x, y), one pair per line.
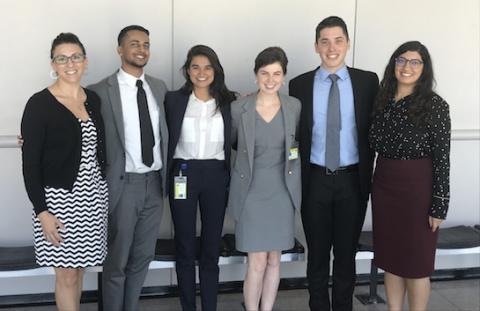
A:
(83, 211)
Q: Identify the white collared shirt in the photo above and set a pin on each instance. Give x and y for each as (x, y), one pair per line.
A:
(131, 124)
(201, 137)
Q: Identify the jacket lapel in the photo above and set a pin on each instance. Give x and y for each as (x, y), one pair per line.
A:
(116, 104)
(181, 107)
(248, 124)
(307, 104)
(356, 97)
(289, 126)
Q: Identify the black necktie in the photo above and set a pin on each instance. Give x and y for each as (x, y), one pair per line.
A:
(146, 131)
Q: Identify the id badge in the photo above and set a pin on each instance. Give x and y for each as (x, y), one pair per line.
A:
(180, 187)
(293, 153)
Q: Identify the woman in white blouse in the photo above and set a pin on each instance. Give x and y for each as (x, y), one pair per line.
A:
(199, 123)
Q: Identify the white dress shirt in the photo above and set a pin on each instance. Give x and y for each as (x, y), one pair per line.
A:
(131, 123)
(201, 137)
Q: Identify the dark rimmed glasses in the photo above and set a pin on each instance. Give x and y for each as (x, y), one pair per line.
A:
(402, 61)
(63, 59)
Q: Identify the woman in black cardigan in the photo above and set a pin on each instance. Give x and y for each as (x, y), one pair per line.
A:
(63, 167)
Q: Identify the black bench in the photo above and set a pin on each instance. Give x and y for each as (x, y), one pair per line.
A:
(20, 261)
(456, 240)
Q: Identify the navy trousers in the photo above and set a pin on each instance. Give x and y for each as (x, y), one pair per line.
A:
(207, 182)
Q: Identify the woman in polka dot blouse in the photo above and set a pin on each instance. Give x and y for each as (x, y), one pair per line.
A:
(411, 134)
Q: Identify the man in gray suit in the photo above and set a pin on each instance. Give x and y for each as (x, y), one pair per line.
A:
(136, 148)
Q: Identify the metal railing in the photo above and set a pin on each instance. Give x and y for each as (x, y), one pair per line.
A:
(11, 141)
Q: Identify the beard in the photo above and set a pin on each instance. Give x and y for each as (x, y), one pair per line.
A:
(135, 63)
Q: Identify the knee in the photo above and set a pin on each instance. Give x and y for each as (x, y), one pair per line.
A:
(273, 262)
(68, 278)
(257, 264)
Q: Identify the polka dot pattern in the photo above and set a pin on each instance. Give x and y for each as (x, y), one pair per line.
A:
(393, 135)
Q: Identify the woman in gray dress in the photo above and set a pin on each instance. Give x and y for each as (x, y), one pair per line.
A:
(265, 182)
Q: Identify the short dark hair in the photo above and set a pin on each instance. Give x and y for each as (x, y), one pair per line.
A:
(223, 96)
(331, 21)
(269, 56)
(123, 32)
(66, 37)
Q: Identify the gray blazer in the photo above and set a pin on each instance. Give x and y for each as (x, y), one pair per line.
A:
(243, 138)
(109, 93)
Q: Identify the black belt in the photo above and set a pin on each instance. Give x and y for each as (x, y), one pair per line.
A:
(338, 171)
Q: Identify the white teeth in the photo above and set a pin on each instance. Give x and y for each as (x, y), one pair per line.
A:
(201, 79)
(71, 72)
(332, 56)
(404, 74)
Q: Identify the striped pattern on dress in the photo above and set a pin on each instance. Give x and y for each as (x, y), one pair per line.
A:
(83, 211)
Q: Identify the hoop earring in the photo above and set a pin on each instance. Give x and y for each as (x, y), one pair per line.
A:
(53, 75)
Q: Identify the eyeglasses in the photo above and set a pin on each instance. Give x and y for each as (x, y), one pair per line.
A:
(62, 59)
(402, 61)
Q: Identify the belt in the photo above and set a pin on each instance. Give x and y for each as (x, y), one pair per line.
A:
(135, 177)
(338, 171)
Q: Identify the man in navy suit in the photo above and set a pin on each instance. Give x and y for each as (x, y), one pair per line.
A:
(334, 199)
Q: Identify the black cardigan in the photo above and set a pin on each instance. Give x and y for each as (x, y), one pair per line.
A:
(52, 144)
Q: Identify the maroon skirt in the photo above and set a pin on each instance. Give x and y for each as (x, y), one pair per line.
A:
(403, 242)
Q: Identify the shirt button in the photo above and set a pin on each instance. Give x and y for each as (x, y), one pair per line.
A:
(245, 150)
(290, 173)
(242, 176)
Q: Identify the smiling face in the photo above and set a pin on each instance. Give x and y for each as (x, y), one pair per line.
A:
(201, 72)
(134, 51)
(72, 71)
(406, 74)
(270, 78)
(332, 46)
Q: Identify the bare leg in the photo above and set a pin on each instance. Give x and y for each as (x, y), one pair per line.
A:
(270, 281)
(80, 284)
(395, 289)
(418, 292)
(252, 286)
(67, 289)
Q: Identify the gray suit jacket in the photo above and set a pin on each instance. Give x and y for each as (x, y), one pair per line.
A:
(243, 140)
(109, 93)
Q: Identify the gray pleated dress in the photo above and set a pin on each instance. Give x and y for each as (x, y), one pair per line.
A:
(267, 221)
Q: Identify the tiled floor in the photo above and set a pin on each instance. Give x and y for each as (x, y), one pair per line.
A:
(446, 296)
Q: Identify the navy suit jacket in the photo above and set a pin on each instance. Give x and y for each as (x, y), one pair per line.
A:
(365, 87)
(175, 107)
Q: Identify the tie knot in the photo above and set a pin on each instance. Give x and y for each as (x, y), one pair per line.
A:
(139, 83)
(333, 77)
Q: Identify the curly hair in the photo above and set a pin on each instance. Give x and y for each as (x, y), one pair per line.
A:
(420, 100)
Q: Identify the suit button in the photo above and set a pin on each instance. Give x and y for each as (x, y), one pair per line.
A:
(121, 177)
(244, 150)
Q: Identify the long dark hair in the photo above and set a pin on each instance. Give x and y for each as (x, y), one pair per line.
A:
(218, 90)
(420, 100)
